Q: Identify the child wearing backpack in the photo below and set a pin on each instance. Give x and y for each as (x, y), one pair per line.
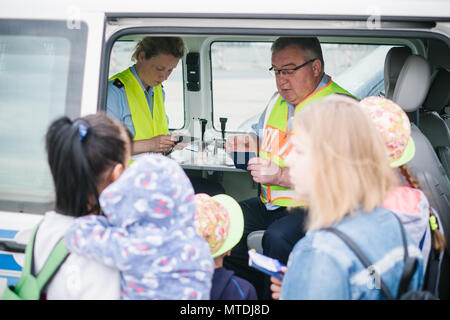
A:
(84, 156)
(338, 164)
(219, 220)
(408, 201)
(148, 233)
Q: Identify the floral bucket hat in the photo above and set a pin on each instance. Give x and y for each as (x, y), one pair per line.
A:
(394, 126)
(219, 220)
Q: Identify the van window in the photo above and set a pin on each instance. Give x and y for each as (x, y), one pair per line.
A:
(41, 70)
(173, 86)
(242, 84)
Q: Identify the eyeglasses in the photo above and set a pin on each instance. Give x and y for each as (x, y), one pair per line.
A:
(289, 72)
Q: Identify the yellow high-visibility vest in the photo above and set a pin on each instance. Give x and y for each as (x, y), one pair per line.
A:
(276, 141)
(145, 124)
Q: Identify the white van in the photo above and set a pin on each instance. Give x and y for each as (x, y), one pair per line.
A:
(56, 58)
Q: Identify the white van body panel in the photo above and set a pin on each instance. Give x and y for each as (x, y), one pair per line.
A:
(51, 9)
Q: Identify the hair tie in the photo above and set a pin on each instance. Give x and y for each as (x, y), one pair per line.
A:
(82, 130)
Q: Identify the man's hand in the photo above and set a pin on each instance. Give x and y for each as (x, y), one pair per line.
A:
(264, 171)
(267, 172)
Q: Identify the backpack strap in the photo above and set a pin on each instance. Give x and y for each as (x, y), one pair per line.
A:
(410, 264)
(54, 261)
(238, 287)
(29, 260)
(56, 258)
(432, 272)
(433, 266)
(365, 261)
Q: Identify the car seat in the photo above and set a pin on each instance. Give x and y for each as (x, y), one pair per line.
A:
(393, 63)
(433, 118)
(410, 91)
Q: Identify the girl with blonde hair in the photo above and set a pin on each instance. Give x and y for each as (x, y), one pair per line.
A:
(338, 165)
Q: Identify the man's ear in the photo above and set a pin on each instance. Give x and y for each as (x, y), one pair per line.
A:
(116, 172)
(317, 67)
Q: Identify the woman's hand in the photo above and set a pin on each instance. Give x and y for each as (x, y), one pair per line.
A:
(161, 143)
(158, 144)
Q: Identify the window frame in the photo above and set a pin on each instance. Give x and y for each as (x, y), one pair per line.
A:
(217, 130)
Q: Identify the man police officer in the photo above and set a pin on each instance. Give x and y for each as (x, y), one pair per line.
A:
(298, 66)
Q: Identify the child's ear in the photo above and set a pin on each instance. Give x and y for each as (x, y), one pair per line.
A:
(116, 172)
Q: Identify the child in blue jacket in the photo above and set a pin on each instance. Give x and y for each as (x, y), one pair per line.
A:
(220, 221)
(148, 233)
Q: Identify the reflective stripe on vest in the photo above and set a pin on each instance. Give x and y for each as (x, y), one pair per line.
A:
(145, 124)
(282, 198)
(276, 142)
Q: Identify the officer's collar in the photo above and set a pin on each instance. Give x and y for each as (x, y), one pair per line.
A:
(133, 71)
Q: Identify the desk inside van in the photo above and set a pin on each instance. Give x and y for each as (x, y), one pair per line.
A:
(204, 160)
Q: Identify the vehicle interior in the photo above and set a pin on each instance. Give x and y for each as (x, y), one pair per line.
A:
(224, 82)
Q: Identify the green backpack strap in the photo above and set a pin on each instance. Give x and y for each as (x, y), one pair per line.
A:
(26, 278)
(29, 287)
(28, 263)
(58, 255)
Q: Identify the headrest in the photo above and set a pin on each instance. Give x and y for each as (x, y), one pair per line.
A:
(393, 64)
(413, 83)
(439, 95)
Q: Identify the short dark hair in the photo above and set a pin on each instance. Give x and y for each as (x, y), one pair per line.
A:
(310, 45)
(80, 160)
(153, 46)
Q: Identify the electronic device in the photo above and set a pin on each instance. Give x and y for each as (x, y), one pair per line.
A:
(265, 264)
(241, 158)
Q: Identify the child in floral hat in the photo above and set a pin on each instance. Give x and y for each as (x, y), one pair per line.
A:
(220, 221)
(148, 233)
(408, 201)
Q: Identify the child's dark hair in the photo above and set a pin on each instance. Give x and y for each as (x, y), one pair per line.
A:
(80, 154)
